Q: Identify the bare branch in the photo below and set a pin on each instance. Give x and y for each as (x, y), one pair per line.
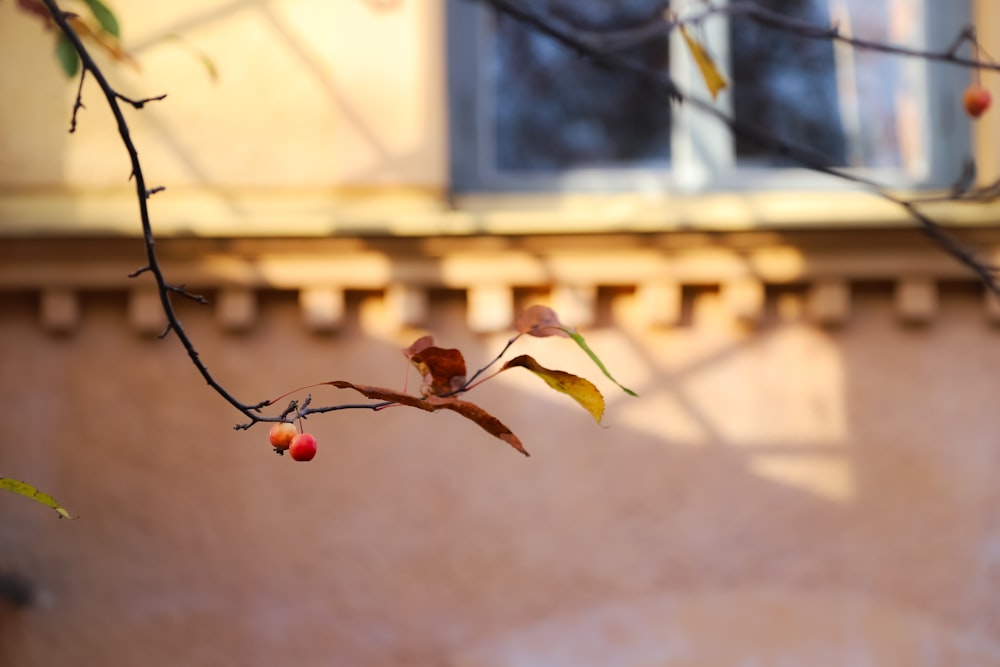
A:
(153, 266)
(138, 104)
(78, 104)
(179, 289)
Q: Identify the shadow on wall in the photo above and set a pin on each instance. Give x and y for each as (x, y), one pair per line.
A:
(416, 539)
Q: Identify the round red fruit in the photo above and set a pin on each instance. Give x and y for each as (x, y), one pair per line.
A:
(976, 100)
(281, 435)
(303, 447)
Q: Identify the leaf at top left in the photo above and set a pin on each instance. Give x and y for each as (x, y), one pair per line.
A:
(105, 17)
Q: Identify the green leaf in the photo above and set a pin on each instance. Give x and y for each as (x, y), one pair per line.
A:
(590, 353)
(579, 389)
(67, 56)
(104, 16)
(25, 489)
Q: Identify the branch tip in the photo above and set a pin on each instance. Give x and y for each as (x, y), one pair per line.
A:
(78, 104)
(140, 103)
(180, 289)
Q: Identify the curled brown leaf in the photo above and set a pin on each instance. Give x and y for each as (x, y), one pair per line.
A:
(418, 345)
(470, 411)
(443, 370)
(488, 422)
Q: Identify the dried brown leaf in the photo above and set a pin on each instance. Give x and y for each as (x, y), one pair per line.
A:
(488, 422)
(443, 370)
(470, 411)
(419, 345)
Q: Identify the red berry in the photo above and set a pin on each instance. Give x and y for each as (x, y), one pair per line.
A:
(303, 447)
(281, 435)
(976, 100)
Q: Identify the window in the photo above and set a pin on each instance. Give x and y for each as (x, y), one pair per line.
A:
(529, 114)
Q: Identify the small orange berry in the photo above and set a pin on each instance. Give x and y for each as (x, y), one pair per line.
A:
(976, 100)
(281, 435)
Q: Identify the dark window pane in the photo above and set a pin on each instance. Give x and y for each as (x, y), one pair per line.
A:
(554, 110)
(841, 103)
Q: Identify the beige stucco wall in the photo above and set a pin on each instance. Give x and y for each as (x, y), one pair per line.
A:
(806, 478)
(790, 495)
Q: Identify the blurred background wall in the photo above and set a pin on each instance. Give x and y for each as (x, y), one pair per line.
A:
(807, 476)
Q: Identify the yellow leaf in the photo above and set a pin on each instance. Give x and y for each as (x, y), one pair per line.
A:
(713, 78)
(580, 390)
(25, 489)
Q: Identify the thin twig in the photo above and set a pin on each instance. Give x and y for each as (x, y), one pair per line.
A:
(179, 289)
(467, 385)
(78, 104)
(138, 104)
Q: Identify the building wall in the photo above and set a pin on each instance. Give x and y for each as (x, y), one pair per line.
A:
(805, 478)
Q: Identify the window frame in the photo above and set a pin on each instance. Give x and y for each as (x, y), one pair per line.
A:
(703, 156)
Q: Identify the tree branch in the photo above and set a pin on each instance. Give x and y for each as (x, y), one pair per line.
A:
(601, 48)
(164, 288)
(113, 97)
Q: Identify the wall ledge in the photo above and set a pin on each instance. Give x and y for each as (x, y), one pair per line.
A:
(414, 211)
(658, 268)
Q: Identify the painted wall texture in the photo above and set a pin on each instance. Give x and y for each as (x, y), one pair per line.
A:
(790, 495)
(807, 477)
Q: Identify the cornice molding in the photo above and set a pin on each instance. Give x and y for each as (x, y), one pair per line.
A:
(571, 268)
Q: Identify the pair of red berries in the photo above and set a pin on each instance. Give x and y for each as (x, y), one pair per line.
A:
(300, 446)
